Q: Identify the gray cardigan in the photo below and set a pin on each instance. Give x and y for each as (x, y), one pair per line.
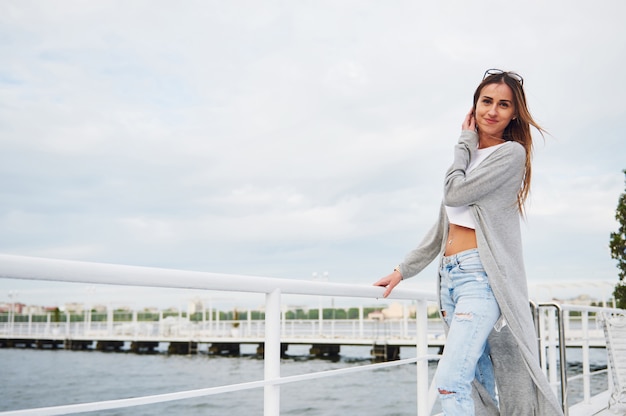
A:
(491, 192)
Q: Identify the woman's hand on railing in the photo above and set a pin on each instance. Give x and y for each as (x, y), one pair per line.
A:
(390, 281)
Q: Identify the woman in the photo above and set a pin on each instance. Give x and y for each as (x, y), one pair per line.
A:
(491, 339)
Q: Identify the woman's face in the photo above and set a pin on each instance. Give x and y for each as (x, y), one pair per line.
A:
(494, 109)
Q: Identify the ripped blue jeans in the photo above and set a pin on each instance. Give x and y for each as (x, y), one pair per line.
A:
(471, 311)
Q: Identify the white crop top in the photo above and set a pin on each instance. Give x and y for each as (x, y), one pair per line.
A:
(461, 215)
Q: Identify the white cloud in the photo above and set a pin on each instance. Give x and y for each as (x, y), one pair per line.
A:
(284, 138)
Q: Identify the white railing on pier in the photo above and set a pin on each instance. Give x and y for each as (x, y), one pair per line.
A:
(18, 267)
(345, 332)
(362, 331)
(557, 329)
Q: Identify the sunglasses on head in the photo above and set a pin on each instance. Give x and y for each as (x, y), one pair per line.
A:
(517, 77)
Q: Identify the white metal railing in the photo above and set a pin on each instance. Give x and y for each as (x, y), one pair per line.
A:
(18, 267)
(399, 331)
(556, 328)
(557, 331)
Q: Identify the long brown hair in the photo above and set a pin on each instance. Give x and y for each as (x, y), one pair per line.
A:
(518, 129)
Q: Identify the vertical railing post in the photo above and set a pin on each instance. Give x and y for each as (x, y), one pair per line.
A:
(552, 349)
(421, 319)
(283, 327)
(320, 317)
(556, 326)
(543, 341)
(135, 324)
(405, 321)
(585, 346)
(85, 320)
(203, 320)
(562, 358)
(110, 319)
(360, 321)
(249, 322)
(88, 321)
(272, 353)
(210, 317)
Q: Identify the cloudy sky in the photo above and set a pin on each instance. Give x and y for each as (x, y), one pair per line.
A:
(283, 138)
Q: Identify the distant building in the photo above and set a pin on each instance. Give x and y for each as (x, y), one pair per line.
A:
(11, 307)
(34, 310)
(75, 308)
(393, 311)
(99, 308)
(376, 315)
(194, 306)
(586, 300)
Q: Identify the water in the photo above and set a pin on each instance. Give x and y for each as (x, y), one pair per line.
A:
(38, 378)
(54, 377)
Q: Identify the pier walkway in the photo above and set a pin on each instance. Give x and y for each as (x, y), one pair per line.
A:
(325, 338)
(183, 336)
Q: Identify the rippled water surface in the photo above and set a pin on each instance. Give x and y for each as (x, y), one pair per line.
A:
(38, 378)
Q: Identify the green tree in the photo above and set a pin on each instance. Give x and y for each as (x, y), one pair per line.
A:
(618, 250)
(300, 314)
(353, 313)
(341, 314)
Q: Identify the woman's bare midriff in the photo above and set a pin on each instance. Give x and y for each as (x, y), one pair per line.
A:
(460, 239)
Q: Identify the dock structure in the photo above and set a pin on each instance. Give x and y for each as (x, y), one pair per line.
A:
(325, 337)
(386, 339)
(320, 349)
(319, 346)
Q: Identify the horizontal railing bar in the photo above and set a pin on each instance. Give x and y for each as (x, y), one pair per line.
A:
(340, 371)
(579, 308)
(210, 391)
(135, 401)
(581, 376)
(576, 377)
(37, 268)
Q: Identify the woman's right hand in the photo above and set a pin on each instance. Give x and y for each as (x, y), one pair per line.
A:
(470, 122)
(389, 282)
